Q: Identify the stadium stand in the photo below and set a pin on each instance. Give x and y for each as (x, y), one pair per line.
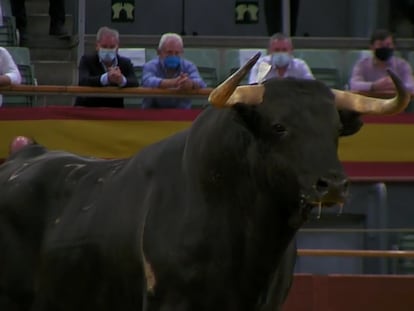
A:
(325, 65)
(21, 56)
(207, 61)
(8, 34)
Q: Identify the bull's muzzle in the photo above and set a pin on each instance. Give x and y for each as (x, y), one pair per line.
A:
(326, 192)
(331, 190)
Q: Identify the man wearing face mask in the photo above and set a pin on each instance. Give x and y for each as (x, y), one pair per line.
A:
(370, 73)
(279, 63)
(170, 70)
(105, 67)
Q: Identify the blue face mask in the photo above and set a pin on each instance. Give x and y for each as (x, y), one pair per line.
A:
(172, 62)
(280, 59)
(107, 55)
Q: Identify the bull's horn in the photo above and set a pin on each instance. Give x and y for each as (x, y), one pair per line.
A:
(219, 96)
(370, 105)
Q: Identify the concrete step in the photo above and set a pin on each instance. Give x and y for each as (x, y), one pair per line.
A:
(53, 59)
(49, 72)
(42, 45)
(38, 24)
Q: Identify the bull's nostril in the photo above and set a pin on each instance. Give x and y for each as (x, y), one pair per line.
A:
(322, 185)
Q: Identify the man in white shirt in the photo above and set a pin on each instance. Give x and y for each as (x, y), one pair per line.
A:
(279, 63)
(9, 73)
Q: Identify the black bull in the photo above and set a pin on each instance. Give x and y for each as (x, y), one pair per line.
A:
(198, 221)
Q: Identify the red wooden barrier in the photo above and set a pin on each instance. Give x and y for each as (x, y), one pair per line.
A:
(351, 292)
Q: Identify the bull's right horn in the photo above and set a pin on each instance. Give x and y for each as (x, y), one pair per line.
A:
(219, 96)
(369, 105)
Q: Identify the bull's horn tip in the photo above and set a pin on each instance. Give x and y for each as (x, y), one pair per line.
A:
(250, 63)
(256, 56)
(391, 72)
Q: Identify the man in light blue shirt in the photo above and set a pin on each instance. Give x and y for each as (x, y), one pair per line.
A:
(279, 63)
(170, 71)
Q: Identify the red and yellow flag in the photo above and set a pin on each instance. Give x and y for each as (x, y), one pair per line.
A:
(382, 150)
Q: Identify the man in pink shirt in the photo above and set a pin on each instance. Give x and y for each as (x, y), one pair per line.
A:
(370, 73)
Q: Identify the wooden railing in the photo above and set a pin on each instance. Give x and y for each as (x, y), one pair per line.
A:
(355, 253)
(111, 91)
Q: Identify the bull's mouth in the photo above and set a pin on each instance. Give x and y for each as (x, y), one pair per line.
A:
(326, 192)
(327, 200)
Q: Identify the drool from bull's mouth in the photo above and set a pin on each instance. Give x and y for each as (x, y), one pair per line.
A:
(308, 204)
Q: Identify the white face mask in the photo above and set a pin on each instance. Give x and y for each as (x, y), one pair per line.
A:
(107, 55)
(281, 59)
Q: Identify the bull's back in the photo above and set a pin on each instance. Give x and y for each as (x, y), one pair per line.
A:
(89, 219)
(100, 232)
(74, 214)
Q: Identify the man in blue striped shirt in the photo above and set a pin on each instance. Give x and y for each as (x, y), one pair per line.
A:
(170, 71)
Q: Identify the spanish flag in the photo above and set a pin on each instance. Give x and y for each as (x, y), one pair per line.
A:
(97, 132)
(382, 150)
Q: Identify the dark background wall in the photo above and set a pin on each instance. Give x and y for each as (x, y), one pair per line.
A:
(323, 18)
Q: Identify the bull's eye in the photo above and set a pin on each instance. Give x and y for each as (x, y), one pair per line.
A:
(279, 129)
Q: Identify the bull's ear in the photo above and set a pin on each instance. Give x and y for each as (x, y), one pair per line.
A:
(351, 122)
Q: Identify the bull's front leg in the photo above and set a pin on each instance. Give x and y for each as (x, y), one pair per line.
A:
(189, 300)
(282, 280)
(182, 289)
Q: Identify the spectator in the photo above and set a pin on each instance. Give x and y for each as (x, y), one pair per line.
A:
(170, 70)
(279, 62)
(370, 73)
(105, 67)
(56, 13)
(19, 142)
(9, 73)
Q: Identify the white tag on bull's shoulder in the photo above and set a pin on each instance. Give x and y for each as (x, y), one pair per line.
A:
(262, 71)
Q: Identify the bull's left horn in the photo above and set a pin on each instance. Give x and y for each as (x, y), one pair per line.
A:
(219, 96)
(370, 105)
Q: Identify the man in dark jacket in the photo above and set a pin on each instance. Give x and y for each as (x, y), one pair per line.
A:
(105, 68)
